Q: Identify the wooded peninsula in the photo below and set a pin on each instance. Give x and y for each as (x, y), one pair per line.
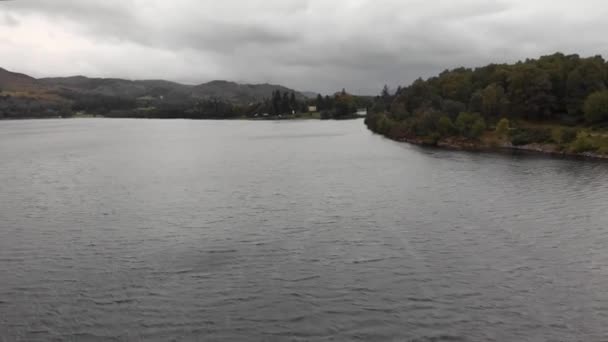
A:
(556, 104)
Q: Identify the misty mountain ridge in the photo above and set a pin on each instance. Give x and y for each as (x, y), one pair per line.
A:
(69, 87)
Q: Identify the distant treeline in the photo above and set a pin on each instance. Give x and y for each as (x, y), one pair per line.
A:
(281, 104)
(563, 90)
(15, 107)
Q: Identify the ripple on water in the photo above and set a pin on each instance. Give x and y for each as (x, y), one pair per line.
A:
(151, 230)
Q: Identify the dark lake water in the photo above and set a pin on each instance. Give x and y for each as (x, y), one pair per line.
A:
(145, 230)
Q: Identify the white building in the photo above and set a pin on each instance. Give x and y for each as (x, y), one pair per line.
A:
(362, 111)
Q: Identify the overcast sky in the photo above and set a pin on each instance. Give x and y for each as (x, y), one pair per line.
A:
(315, 45)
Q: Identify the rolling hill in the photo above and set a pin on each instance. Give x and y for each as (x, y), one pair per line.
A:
(115, 87)
(25, 96)
(11, 81)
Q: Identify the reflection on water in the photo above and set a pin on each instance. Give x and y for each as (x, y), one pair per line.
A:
(206, 230)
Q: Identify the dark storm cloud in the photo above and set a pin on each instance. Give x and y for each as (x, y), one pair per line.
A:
(311, 45)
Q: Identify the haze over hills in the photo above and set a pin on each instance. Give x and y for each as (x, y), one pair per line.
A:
(115, 87)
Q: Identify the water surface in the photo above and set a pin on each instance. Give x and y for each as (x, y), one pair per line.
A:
(149, 230)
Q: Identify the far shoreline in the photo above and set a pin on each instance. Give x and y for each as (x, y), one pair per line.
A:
(243, 118)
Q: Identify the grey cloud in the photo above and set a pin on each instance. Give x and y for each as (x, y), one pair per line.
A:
(178, 27)
(226, 38)
(311, 44)
(87, 10)
(8, 20)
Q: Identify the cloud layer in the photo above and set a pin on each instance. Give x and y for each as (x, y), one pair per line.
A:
(313, 45)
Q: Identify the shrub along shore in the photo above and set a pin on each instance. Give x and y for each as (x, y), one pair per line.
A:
(521, 136)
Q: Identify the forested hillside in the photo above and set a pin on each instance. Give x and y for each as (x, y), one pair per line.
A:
(557, 99)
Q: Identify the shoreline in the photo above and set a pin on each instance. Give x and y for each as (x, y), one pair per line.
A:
(472, 146)
(244, 118)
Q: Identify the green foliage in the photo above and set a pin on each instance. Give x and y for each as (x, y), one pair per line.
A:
(470, 125)
(568, 135)
(493, 101)
(525, 136)
(557, 135)
(433, 138)
(419, 95)
(585, 77)
(319, 103)
(478, 128)
(596, 107)
(562, 135)
(386, 94)
(456, 84)
(398, 129)
(521, 137)
(552, 88)
(453, 108)
(583, 143)
(424, 122)
(445, 126)
(476, 102)
(530, 91)
(464, 122)
(399, 111)
(380, 123)
(589, 142)
(502, 128)
(344, 105)
(537, 99)
(378, 107)
(385, 124)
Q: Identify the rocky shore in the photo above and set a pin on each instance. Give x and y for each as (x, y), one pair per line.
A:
(462, 144)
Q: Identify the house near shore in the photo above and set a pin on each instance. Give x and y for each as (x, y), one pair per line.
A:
(362, 111)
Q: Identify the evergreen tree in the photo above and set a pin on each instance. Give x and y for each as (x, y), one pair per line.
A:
(276, 102)
(320, 103)
(285, 108)
(386, 94)
(292, 101)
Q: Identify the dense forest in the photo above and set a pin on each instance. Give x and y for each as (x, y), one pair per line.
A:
(559, 100)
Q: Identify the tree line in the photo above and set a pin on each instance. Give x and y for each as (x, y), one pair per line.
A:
(564, 90)
(280, 104)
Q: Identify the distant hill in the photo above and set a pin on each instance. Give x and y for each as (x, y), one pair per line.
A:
(23, 96)
(11, 81)
(76, 86)
(240, 93)
(310, 94)
(114, 87)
